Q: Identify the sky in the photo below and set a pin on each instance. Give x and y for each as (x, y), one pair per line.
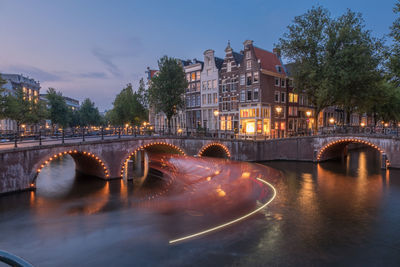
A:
(93, 48)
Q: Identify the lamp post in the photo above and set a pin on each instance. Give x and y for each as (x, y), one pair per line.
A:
(216, 114)
(308, 114)
(278, 110)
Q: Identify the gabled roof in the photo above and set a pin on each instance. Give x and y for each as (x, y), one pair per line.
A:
(269, 61)
(218, 62)
(238, 57)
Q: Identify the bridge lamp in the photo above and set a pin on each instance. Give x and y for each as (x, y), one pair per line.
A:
(126, 125)
(331, 120)
(362, 124)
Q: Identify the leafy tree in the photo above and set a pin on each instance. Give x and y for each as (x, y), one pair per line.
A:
(304, 44)
(2, 98)
(394, 60)
(89, 115)
(22, 110)
(143, 94)
(167, 88)
(59, 112)
(127, 108)
(351, 62)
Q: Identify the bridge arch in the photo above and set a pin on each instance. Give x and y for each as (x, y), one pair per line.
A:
(85, 161)
(155, 147)
(340, 144)
(214, 149)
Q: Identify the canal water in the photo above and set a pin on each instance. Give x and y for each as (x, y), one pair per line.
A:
(337, 213)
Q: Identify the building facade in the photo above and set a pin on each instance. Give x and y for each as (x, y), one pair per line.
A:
(30, 89)
(209, 90)
(229, 92)
(193, 71)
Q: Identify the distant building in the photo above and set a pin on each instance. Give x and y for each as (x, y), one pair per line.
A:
(193, 96)
(71, 103)
(31, 90)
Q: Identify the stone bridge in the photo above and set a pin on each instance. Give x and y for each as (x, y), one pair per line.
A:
(107, 159)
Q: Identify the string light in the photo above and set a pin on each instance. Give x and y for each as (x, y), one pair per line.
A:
(347, 140)
(204, 148)
(73, 152)
(145, 146)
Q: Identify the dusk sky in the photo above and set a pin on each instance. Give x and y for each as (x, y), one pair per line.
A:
(94, 48)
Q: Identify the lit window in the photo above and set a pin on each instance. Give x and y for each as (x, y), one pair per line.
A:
(198, 75)
(193, 76)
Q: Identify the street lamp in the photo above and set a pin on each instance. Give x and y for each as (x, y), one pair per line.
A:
(331, 120)
(278, 109)
(216, 113)
(362, 124)
(308, 113)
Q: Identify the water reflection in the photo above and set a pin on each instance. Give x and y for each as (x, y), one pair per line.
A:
(334, 213)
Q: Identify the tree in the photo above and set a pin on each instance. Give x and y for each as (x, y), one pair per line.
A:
(394, 60)
(22, 109)
(59, 112)
(166, 89)
(2, 98)
(351, 62)
(305, 45)
(89, 115)
(143, 94)
(127, 108)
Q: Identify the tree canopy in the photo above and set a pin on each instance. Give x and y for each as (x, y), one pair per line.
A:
(89, 115)
(59, 113)
(167, 88)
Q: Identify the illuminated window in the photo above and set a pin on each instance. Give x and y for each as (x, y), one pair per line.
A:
(250, 127)
(198, 75)
(223, 123)
(259, 126)
(229, 123)
(193, 76)
(293, 98)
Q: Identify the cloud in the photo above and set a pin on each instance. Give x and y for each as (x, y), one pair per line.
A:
(36, 73)
(93, 75)
(106, 58)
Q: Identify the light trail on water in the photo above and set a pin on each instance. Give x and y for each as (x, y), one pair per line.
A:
(230, 222)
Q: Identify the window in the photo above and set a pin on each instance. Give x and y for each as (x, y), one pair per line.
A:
(248, 54)
(198, 86)
(277, 94)
(234, 84)
(209, 85)
(188, 77)
(215, 98)
(188, 102)
(242, 96)
(242, 78)
(248, 78)
(255, 96)
(198, 100)
(229, 67)
(255, 77)
(214, 83)
(248, 64)
(293, 98)
(208, 72)
(193, 76)
(290, 83)
(223, 123)
(203, 99)
(204, 86)
(283, 82)
(249, 95)
(193, 101)
(208, 98)
(198, 75)
(283, 97)
(276, 81)
(223, 85)
(292, 111)
(279, 69)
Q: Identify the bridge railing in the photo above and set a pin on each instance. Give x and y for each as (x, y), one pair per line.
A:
(83, 135)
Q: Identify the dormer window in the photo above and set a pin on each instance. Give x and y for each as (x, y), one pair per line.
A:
(279, 69)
